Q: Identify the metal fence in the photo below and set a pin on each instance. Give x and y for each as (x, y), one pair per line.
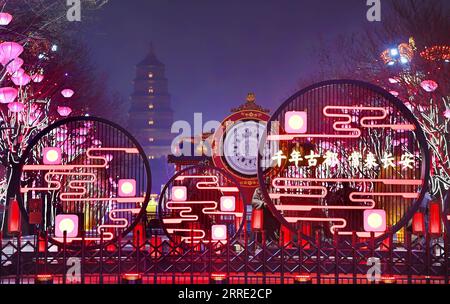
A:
(247, 260)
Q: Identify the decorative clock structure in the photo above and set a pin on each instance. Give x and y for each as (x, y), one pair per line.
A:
(235, 145)
(352, 159)
(84, 177)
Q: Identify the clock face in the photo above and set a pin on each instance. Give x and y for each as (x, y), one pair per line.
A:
(241, 146)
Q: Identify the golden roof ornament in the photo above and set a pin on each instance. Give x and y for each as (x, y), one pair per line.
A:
(250, 105)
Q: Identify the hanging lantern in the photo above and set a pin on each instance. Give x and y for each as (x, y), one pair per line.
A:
(67, 93)
(10, 51)
(257, 219)
(14, 65)
(447, 113)
(5, 18)
(429, 85)
(14, 217)
(37, 78)
(18, 73)
(393, 80)
(435, 227)
(64, 111)
(418, 223)
(22, 80)
(15, 107)
(8, 94)
(139, 235)
(394, 93)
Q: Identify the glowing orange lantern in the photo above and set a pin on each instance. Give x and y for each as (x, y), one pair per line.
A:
(14, 218)
(435, 227)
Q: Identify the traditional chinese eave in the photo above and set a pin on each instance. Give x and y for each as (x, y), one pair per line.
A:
(250, 105)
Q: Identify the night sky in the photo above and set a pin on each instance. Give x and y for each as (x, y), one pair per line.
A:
(216, 51)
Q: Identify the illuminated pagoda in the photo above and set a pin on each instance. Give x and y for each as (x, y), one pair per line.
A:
(151, 115)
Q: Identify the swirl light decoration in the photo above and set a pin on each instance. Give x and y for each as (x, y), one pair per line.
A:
(81, 190)
(202, 204)
(338, 169)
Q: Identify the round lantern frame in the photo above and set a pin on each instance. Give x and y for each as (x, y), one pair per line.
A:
(202, 168)
(393, 101)
(110, 124)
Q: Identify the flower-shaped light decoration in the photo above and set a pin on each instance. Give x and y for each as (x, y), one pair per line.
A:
(403, 54)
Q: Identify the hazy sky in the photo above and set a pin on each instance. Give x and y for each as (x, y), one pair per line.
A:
(216, 51)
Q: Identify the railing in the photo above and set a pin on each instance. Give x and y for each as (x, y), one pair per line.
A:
(244, 260)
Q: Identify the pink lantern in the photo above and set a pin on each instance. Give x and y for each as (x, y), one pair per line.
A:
(18, 73)
(52, 156)
(37, 77)
(97, 142)
(5, 18)
(394, 93)
(64, 111)
(8, 94)
(22, 80)
(447, 113)
(429, 85)
(67, 93)
(295, 122)
(10, 51)
(393, 80)
(14, 65)
(15, 106)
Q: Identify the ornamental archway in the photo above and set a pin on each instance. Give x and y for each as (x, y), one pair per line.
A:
(84, 178)
(349, 158)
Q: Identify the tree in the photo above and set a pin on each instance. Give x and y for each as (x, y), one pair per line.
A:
(45, 67)
(408, 56)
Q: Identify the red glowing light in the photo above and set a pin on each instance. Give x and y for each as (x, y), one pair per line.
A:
(435, 227)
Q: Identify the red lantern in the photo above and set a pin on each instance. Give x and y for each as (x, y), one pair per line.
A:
(418, 223)
(35, 212)
(257, 219)
(41, 244)
(286, 236)
(139, 235)
(14, 218)
(435, 227)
